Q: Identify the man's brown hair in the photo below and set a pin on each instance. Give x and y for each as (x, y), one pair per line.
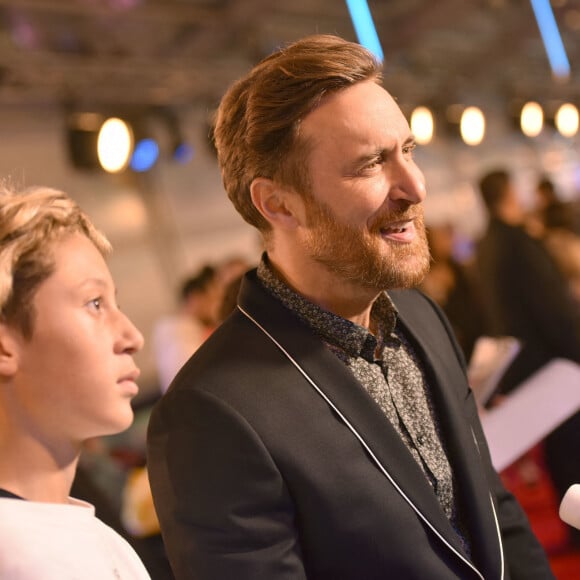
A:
(257, 130)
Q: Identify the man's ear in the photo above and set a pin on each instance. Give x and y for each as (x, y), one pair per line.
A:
(8, 351)
(279, 205)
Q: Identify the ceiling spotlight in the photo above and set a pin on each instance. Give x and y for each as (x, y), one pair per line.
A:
(422, 125)
(472, 126)
(114, 145)
(566, 120)
(531, 119)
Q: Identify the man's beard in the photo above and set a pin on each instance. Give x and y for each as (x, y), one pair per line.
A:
(363, 256)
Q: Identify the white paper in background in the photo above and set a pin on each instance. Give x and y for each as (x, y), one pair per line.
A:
(532, 411)
(489, 361)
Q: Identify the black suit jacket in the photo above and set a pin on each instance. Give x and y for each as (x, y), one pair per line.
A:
(269, 461)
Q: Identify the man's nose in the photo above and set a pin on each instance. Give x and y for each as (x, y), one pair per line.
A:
(407, 183)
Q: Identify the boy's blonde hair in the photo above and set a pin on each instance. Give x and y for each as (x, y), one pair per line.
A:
(30, 222)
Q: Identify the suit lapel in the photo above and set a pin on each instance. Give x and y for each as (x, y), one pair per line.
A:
(352, 402)
(444, 373)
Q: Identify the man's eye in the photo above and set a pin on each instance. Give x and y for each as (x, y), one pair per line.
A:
(372, 164)
(408, 149)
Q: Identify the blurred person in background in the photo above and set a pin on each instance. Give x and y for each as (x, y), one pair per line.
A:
(176, 337)
(67, 375)
(523, 290)
(557, 224)
(232, 268)
(232, 272)
(139, 518)
(550, 210)
(451, 284)
(528, 298)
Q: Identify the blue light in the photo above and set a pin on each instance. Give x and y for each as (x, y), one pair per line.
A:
(364, 26)
(145, 155)
(551, 38)
(183, 153)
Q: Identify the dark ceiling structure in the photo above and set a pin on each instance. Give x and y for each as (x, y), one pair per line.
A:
(176, 53)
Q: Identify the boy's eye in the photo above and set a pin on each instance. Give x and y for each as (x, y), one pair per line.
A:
(95, 303)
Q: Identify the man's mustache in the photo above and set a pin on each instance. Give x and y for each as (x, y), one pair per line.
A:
(412, 213)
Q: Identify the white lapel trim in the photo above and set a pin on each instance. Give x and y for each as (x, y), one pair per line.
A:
(368, 449)
(497, 528)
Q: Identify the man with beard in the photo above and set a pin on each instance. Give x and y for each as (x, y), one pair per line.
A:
(326, 429)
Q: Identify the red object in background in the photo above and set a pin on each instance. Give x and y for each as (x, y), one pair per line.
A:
(529, 481)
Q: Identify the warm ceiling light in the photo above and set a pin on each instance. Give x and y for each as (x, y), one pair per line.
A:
(472, 126)
(114, 145)
(532, 119)
(422, 125)
(567, 120)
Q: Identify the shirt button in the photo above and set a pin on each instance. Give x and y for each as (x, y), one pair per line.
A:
(420, 439)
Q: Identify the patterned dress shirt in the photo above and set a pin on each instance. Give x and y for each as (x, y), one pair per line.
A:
(387, 366)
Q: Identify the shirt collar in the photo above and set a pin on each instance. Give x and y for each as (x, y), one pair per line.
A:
(352, 338)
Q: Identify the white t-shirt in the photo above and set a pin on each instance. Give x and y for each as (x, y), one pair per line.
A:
(46, 541)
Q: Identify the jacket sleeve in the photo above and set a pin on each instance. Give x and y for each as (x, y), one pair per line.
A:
(223, 507)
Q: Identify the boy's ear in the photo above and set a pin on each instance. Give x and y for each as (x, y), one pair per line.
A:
(8, 351)
(279, 205)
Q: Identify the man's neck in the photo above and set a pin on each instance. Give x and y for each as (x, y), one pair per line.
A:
(326, 289)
